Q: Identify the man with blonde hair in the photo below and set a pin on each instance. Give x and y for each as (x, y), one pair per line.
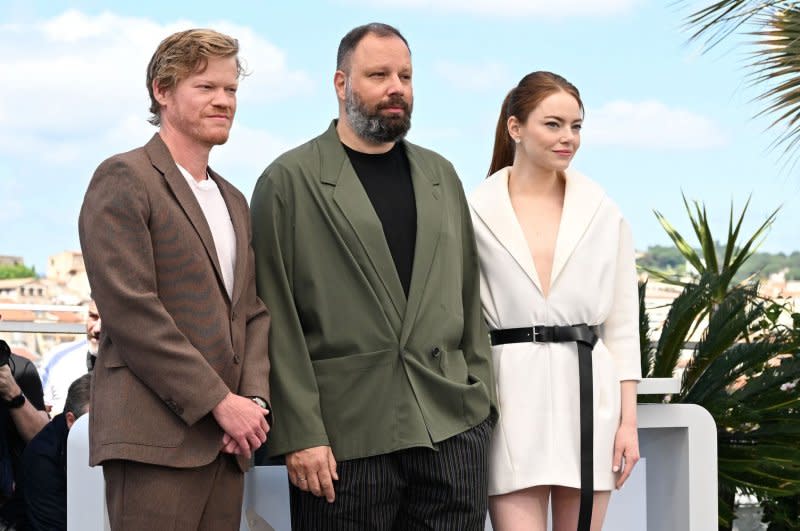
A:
(179, 399)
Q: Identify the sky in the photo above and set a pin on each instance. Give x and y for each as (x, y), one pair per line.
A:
(663, 118)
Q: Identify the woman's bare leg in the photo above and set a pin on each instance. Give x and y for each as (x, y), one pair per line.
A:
(522, 510)
(566, 505)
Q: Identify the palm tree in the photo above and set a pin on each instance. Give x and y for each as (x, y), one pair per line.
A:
(774, 29)
(744, 369)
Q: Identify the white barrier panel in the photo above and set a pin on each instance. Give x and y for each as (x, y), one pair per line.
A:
(86, 495)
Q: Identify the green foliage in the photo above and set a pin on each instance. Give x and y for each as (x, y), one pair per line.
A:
(16, 271)
(663, 258)
(764, 264)
(782, 512)
(759, 265)
(745, 368)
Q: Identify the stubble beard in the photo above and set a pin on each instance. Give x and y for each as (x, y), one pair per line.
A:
(373, 126)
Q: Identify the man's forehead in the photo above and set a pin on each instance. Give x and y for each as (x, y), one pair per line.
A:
(373, 49)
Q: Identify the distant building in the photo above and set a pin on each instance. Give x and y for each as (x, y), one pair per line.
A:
(10, 260)
(66, 269)
(63, 266)
(26, 290)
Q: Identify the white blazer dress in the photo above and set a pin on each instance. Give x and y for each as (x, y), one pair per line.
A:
(593, 281)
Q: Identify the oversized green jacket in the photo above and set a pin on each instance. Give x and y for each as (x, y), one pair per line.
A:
(354, 364)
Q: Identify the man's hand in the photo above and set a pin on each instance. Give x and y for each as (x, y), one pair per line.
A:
(313, 469)
(26, 418)
(243, 422)
(8, 385)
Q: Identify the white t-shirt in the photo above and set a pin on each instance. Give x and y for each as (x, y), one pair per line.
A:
(59, 368)
(219, 221)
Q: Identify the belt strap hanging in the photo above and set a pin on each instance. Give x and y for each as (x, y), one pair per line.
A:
(586, 338)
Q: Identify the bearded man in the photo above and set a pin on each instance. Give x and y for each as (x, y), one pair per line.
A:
(380, 359)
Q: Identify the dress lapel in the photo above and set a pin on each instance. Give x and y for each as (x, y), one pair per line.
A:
(582, 199)
(162, 160)
(492, 204)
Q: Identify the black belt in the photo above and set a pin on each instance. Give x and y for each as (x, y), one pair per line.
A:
(586, 338)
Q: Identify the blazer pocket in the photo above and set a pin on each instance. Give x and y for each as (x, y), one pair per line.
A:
(139, 417)
(356, 391)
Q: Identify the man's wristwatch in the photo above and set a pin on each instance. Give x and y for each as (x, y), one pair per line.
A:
(16, 402)
(259, 401)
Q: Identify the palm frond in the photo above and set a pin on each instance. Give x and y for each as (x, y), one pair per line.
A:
(645, 342)
(749, 248)
(774, 28)
(777, 65)
(720, 19)
(686, 310)
(680, 242)
(725, 326)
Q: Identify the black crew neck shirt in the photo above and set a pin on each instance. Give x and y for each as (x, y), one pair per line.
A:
(386, 177)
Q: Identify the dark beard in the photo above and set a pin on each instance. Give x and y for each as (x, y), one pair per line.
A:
(375, 127)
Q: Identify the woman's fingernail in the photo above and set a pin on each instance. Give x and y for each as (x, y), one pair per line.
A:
(615, 469)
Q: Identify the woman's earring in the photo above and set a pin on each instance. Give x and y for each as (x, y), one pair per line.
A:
(517, 140)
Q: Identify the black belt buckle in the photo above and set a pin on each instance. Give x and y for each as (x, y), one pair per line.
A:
(542, 334)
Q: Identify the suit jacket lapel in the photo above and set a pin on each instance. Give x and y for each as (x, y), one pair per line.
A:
(582, 199)
(429, 226)
(239, 221)
(351, 198)
(492, 204)
(162, 160)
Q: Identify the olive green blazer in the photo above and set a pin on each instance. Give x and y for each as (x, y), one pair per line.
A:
(354, 364)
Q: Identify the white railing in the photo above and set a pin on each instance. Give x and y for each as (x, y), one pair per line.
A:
(41, 325)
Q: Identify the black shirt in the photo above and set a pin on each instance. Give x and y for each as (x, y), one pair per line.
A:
(386, 177)
(44, 477)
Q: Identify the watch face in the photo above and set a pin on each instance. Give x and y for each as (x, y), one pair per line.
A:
(260, 401)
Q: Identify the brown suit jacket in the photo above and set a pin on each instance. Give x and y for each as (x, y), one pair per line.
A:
(173, 343)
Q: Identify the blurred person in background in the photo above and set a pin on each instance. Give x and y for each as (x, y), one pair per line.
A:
(22, 415)
(67, 362)
(44, 463)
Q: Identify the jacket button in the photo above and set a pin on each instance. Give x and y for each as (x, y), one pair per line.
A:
(436, 352)
(236, 359)
(233, 316)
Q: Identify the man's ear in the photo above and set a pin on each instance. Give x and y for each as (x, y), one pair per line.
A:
(339, 83)
(159, 93)
(70, 416)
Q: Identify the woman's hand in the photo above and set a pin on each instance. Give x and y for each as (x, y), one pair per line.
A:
(626, 452)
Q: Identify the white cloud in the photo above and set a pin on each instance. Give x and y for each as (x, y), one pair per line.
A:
(474, 77)
(650, 124)
(78, 75)
(511, 8)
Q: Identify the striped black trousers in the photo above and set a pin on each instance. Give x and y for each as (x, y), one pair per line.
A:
(417, 489)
